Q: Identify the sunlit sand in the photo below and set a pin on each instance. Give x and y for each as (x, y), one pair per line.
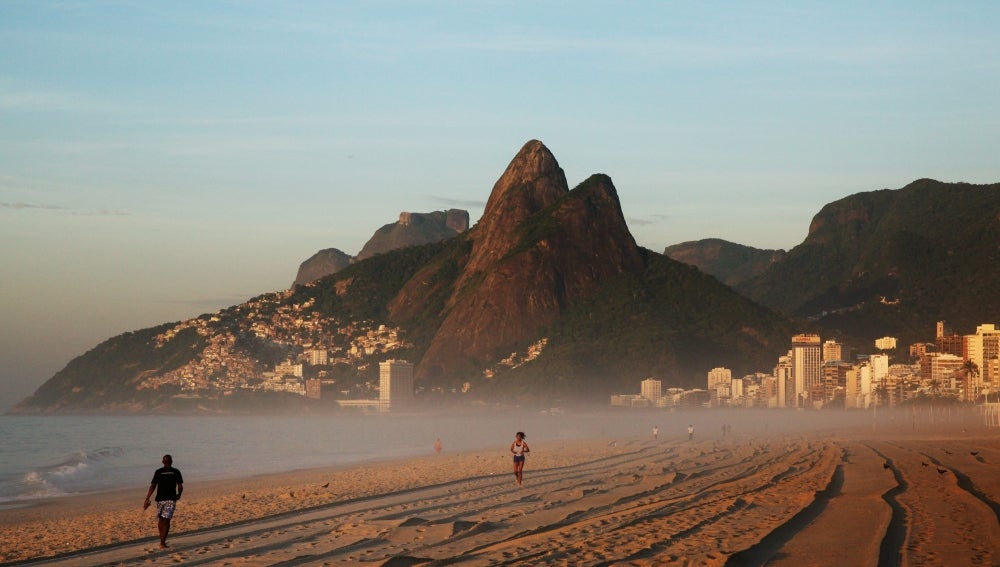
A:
(906, 492)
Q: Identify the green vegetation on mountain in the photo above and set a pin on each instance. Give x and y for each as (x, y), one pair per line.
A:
(893, 262)
(671, 322)
(105, 376)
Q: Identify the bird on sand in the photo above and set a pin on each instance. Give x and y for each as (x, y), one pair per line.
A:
(326, 485)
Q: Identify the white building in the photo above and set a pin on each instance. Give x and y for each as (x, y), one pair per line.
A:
(318, 357)
(807, 367)
(288, 368)
(395, 389)
(651, 390)
(718, 376)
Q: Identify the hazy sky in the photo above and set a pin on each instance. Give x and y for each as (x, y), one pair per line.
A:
(159, 160)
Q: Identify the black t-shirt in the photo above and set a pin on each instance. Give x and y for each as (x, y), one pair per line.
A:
(166, 480)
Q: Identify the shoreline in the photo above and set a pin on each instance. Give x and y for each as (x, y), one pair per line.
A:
(786, 497)
(55, 526)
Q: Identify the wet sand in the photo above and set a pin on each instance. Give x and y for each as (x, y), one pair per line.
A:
(838, 497)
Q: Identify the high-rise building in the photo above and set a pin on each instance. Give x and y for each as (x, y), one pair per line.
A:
(946, 341)
(718, 376)
(942, 329)
(835, 380)
(314, 388)
(940, 369)
(650, 389)
(880, 367)
(832, 351)
(981, 348)
(807, 367)
(317, 356)
(395, 384)
(785, 382)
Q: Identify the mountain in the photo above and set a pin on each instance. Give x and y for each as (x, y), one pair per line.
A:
(893, 262)
(323, 263)
(731, 263)
(546, 299)
(412, 229)
(538, 248)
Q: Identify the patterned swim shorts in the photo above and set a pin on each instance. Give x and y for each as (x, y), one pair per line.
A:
(165, 508)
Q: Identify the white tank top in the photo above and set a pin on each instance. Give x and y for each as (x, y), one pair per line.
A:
(518, 449)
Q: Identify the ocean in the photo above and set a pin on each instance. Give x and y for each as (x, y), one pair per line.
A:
(53, 456)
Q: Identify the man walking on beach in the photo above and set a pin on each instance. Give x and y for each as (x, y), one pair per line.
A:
(690, 433)
(168, 484)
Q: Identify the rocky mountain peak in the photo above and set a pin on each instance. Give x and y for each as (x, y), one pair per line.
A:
(538, 249)
(532, 181)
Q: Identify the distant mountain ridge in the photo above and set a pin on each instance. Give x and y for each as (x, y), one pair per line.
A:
(412, 229)
(893, 262)
(731, 263)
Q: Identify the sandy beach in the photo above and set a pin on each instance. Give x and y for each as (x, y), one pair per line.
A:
(839, 497)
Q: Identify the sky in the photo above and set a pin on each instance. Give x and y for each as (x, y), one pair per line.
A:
(160, 160)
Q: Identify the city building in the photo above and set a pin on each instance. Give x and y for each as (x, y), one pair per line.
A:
(832, 351)
(650, 389)
(395, 384)
(807, 369)
(288, 368)
(785, 382)
(318, 356)
(718, 376)
(313, 388)
(885, 343)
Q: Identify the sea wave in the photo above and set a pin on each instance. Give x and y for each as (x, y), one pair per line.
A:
(61, 478)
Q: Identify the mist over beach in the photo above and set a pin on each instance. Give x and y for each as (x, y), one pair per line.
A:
(907, 487)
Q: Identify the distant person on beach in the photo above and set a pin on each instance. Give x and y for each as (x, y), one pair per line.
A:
(519, 447)
(168, 484)
(690, 432)
(656, 431)
(437, 445)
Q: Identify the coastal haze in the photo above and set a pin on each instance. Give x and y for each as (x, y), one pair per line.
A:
(160, 162)
(818, 177)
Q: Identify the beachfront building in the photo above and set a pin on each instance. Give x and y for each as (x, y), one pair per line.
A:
(785, 382)
(314, 388)
(395, 384)
(807, 370)
(651, 390)
(288, 368)
(718, 376)
(833, 351)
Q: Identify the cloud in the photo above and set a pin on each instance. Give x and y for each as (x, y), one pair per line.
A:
(647, 220)
(19, 206)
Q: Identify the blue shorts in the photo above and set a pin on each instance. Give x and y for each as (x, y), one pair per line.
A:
(518, 458)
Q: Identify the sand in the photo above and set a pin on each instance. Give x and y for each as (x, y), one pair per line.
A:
(840, 497)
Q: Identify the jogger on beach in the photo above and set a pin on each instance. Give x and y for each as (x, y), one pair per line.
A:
(519, 447)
